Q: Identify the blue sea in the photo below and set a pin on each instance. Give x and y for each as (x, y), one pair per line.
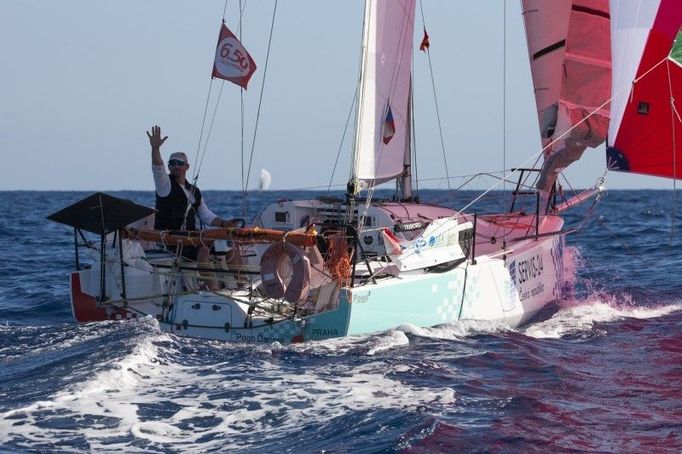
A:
(599, 372)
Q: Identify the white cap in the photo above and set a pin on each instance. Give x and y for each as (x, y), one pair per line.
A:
(179, 155)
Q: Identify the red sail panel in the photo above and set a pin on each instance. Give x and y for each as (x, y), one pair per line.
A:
(648, 139)
(586, 82)
(570, 53)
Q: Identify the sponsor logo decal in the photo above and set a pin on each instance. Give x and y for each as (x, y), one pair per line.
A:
(526, 273)
(530, 268)
(399, 227)
(443, 240)
(324, 332)
(361, 298)
(258, 338)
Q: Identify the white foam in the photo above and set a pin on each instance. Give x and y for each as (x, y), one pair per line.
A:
(456, 330)
(156, 432)
(580, 316)
(387, 341)
(336, 346)
(263, 400)
(369, 344)
(377, 343)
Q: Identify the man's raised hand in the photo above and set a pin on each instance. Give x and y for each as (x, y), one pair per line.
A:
(155, 139)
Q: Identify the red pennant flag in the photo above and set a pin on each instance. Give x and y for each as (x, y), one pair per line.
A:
(425, 42)
(391, 242)
(232, 61)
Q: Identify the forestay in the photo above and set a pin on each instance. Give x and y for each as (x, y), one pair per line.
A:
(644, 135)
(383, 123)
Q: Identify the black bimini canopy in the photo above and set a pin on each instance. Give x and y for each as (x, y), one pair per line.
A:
(101, 213)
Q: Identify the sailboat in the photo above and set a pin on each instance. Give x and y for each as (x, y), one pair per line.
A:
(264, 180)
(330, 267)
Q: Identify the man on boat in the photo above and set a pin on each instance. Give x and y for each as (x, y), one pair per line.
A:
(178, 201)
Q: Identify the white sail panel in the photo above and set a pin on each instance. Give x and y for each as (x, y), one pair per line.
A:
(546, 30)
(382, 130)
(631, 21)
(570, 56)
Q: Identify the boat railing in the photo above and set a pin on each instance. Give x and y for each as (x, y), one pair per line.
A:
(522, 188)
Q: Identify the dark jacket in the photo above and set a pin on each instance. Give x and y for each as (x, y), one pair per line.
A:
(172, 208)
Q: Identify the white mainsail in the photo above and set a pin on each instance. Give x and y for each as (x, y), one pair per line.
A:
(382, 129)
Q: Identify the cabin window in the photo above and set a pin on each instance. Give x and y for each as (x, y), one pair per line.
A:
(282, 217)
(367, 221)
(466, 237)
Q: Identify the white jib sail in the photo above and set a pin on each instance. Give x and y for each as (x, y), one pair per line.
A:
(384, 92)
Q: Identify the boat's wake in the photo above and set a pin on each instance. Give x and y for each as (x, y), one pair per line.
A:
(362, 345)
(456, 330)
(577, 317)
(581, 310)
(390, 340)
(374, 344)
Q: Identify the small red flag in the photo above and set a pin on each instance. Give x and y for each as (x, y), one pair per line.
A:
(232, 61)
(425, 42)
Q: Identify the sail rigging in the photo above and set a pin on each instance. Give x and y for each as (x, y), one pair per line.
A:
(645, 129)
(383, 123)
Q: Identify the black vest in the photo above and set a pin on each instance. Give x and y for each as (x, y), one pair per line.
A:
(172, 208)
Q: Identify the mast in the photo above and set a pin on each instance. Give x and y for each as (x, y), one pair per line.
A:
(405, 181)
(353, 186)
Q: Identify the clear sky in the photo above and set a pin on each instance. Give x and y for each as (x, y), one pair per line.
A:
(82, 81)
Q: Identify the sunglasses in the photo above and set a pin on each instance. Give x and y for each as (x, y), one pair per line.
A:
(176, 162)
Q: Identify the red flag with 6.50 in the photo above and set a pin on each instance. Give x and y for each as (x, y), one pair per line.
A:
(232, 61)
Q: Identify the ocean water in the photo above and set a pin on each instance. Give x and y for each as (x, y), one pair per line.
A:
(600, 371)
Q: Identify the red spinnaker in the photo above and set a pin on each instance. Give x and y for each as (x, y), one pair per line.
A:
(649, 136)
